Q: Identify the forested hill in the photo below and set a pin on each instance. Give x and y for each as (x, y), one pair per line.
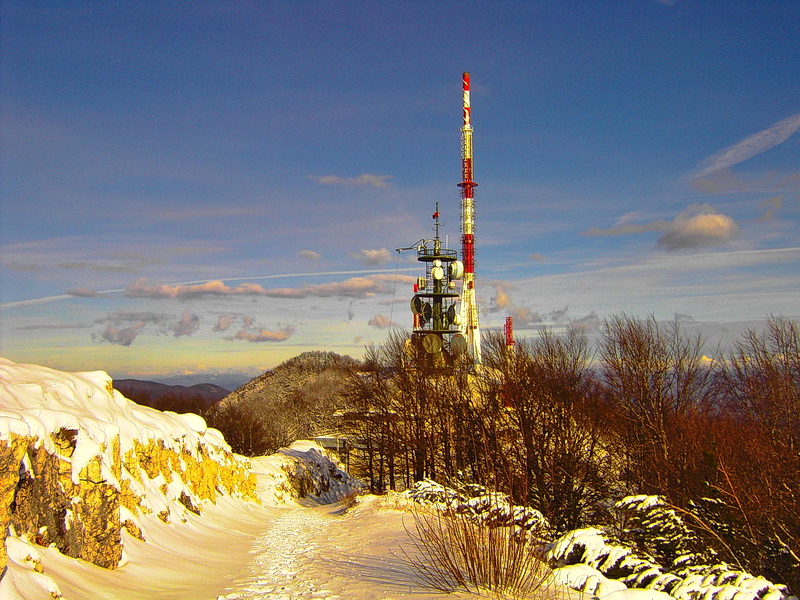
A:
(296, 400)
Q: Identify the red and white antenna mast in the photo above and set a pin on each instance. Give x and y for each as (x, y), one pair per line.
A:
(469, 302)
(508, 329)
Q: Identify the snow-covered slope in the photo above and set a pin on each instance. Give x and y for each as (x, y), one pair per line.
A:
(80, 464)
(102, 498)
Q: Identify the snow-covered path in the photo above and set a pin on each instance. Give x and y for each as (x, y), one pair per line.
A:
(279, 569)
(325, 552)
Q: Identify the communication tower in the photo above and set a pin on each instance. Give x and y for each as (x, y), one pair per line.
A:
(446, 314)
(469, 301)
(436, 321)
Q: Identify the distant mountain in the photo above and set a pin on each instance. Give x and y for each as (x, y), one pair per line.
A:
(178, 398)
(230, 380)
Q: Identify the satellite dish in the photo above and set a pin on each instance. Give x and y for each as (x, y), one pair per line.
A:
(432, 343)
(426, 312)
(458, 344)
(451, 314)
(416, 305)
(456, 269)
(437, 273)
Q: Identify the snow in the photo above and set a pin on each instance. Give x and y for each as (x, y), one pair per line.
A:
(323, 545)
(586, 579)
(243, 551)
(309, 535)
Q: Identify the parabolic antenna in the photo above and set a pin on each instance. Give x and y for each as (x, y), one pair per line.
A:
(416, 305)
(426, 313)
(451, 314)
(437, 273)
(458, 344)
(432, 343)
(456, 269)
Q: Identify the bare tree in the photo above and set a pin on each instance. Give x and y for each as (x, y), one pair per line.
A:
(758, 480)
(655, 379)
(549, 408)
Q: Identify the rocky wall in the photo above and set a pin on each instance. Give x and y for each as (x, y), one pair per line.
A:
(40, 500)
(80, 464)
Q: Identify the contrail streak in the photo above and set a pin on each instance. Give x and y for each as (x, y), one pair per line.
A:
(47, 299)
(750, 146)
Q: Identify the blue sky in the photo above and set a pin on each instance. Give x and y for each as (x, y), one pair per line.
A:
(208, 187)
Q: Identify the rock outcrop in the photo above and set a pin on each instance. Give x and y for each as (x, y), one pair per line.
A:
(80, 463)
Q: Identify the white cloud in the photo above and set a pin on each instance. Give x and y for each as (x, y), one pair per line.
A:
(698, 231)
(354, 287)
(699, 226)
(309, 254)
(140, 289)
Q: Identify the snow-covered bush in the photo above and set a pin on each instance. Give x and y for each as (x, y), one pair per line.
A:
(662, 561)
(477, 503)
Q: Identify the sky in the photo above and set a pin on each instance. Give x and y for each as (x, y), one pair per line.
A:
(199, 188)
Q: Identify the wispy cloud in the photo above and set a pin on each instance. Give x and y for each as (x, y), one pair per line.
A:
(188, 324)
(140, 289)
(53, 326)
(123, 327)
(750, 146)
(98, 266)
(122, 336)
(363, 180)
(265, 335)
(769, 207)
(380, 321)
(699, 226)
(354, 287)
(371, 258)
(22, 266)
(309, 254)
(83, 293)
(226, 321)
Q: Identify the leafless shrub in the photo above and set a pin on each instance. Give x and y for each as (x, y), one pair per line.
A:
(455, 552)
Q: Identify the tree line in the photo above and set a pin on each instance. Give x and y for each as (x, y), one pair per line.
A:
(569, 430)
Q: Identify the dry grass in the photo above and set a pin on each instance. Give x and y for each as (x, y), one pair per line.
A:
(457, 553)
